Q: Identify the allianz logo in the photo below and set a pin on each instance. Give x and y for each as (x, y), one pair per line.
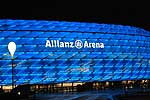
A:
(76, 44)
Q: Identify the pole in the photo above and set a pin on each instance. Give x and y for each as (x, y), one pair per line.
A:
(12, 60)
(12, 49)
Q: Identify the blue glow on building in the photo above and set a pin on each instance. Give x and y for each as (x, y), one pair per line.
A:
(112, 52)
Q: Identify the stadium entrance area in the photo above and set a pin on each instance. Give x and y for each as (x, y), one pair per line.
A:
(81, 87)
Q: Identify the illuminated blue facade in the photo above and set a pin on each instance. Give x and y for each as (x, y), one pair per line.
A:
(56, 52)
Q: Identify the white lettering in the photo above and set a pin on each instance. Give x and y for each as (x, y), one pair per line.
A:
(48, 44)
(55, 43)
(67, 44)
(58, 43)
(101, 45)
(93, 45)
(71, 45)
(62, 44)
(86, 44)
(77, 44)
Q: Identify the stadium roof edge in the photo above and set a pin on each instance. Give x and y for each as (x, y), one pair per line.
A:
(7, 22)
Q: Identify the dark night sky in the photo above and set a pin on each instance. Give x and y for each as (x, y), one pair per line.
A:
(92, 12)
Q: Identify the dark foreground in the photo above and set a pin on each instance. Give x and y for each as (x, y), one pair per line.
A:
(89, 95)
(145, 97)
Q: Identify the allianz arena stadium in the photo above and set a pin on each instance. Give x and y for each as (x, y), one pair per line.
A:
(70, 52)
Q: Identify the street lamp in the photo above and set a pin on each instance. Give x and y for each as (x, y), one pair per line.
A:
(12, 49)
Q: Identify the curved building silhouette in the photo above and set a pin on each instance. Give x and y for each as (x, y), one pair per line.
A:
(61, 52)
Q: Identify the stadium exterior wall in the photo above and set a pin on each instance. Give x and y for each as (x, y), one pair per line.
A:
(60, 51)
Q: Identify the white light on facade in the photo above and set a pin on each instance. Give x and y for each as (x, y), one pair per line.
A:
(12, 48)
